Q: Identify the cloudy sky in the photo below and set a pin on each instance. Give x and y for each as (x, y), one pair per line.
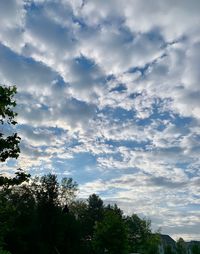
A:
(109, 94)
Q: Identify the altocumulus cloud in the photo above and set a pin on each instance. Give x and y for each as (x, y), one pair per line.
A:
(108, 93)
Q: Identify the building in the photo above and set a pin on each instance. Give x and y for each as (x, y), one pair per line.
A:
(167, 243)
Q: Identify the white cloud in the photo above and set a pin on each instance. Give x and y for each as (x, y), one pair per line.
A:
(12, 22)
(117, 81)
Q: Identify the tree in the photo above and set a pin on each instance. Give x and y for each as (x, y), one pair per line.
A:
(9, 148)
(195, 248)
(67, 191)
(48, 190)
(94, 212)
(20, 222)
(151, 246)
(19, 178)
(32, 218)
(58, 229)
(110, 235)
(9, 145)
(139, 232)
(115, 209)
(95, 207)
(181, 246)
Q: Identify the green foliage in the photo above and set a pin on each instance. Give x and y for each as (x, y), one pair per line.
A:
(196, 248)
(181, 246)
(4, 252)
(7, 104)
(32, 219)
(94, 213)
(138, 231)
(18, 179)
(150, 246)
(9, 146)
(42, 216)
(114, 208)
(110, 235)
(95, 206)
(68, 190)
(47, 191)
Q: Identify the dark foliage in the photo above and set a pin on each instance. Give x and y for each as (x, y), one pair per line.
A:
(36, 217)
(9, 145)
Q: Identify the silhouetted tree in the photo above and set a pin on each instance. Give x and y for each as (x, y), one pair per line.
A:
(20, 177)
(138, 232)
(94, 212)
(151, 244)
(115, 209)
(9, 145)
(9, 148)
(19, 237)
(67, 191)
(181, 246)
(110, 235)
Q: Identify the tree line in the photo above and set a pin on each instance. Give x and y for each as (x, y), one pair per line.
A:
(41, 215)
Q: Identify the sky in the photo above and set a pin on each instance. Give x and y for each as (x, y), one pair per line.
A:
(109, 94)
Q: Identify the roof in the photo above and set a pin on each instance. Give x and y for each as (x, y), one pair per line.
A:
(167, 240)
